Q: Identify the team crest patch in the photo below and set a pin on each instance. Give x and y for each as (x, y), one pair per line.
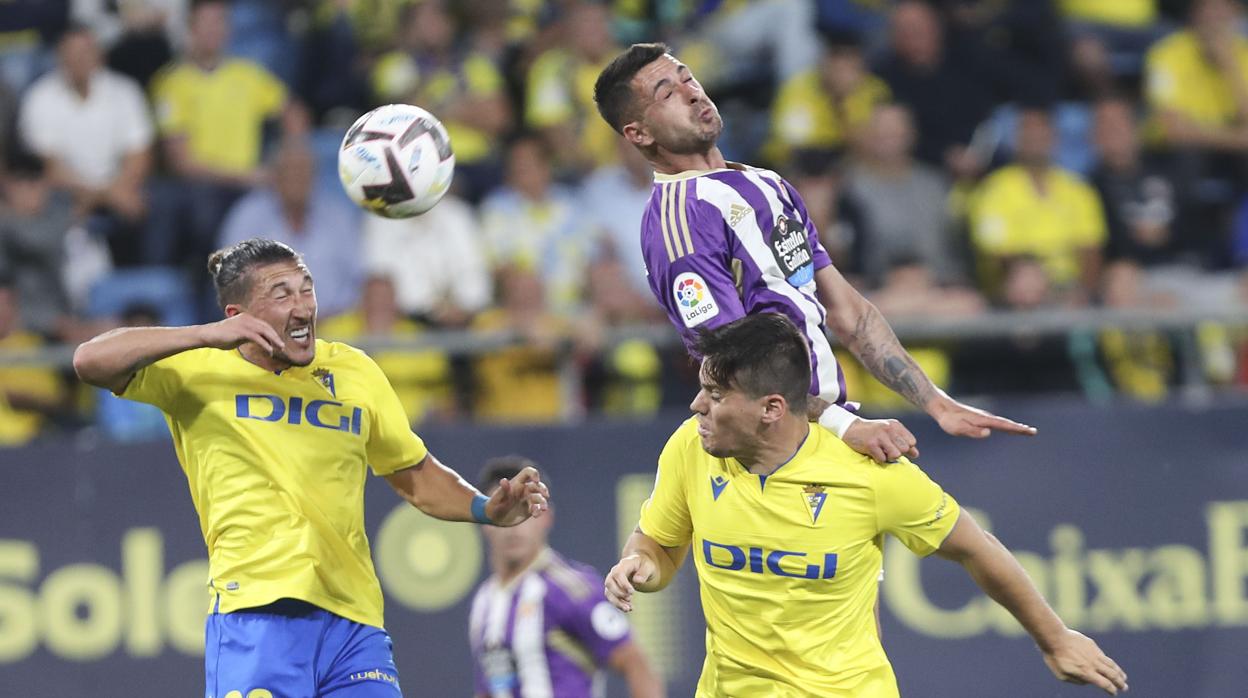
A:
(693, 299)
(814, 496)
(325, 378)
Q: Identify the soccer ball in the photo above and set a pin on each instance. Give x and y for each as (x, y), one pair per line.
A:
(396, 161)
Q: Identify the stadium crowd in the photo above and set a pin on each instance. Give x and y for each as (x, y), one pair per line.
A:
(958, 156)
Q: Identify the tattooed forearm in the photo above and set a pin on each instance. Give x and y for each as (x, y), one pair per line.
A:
(876, 346)
(815, 407)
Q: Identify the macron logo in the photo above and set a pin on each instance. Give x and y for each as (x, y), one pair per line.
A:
(718, 483)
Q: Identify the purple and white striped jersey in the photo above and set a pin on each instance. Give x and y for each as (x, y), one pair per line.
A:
(544, 634)
(721, 244)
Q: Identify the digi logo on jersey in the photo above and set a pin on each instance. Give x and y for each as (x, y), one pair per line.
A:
(791, 249)
(762, 561)
(316, 413)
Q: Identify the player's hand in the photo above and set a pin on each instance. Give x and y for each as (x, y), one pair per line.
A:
(958, 419)
(1076, 659)
(622, 580)
(882, 439)
(517, 499)
(236, 331)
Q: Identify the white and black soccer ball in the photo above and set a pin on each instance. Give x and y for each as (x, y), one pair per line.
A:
(396, 161)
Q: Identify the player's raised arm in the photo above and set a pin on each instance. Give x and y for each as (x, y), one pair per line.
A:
(441, 493)
(1070, 655)
(862, 328)
(644, 566)
(111, 359)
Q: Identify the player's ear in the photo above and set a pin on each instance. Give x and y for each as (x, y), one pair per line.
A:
(775, 407)
(636, 133)
(232, 309)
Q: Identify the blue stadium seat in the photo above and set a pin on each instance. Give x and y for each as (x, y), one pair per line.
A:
(166, 290)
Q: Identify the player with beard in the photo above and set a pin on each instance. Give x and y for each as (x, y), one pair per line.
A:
(276, 430)
(722, 240)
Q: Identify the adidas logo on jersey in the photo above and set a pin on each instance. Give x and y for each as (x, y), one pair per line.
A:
(735, 213)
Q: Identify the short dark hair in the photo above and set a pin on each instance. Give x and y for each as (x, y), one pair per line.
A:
(231, 267)
(613, 92)
(759, 355)
(496, 469)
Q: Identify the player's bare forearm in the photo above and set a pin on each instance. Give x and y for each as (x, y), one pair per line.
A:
(630, 662)
(667, 561)
(109, 360)
(997, 572)
(435, 489)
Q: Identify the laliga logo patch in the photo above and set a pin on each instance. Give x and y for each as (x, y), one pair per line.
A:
(694, 299)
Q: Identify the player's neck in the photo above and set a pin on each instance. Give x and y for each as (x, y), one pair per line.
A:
(507, 571)
(777, 446)
(668, 163)
(257, 356)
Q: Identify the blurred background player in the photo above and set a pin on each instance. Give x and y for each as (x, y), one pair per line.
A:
(539, 625)
(721, 489)
(722, 239)
(276, 431)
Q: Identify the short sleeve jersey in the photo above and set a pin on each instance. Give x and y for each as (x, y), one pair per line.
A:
(276, 465)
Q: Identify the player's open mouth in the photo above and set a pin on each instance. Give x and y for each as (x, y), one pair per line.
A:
(300, 335)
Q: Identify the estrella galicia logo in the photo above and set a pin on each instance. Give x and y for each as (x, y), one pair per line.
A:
(718, 483)
(791, 249)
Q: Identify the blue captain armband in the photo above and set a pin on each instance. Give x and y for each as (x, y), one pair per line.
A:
(478, 510)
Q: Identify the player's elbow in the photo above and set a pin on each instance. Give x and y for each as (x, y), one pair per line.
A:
(88, 366)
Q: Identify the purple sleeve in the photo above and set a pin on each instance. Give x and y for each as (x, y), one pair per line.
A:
(816, 247)
(695, 286)
(593, 621)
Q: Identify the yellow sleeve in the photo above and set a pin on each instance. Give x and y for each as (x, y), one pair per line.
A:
(161, 382)
(392, 445)
(911, 507)
(549, 97)
(482, 77)
(665, 515)
(1163, 78)
(792, 120)
(168, 97)
(268, 91)
(1090, 226)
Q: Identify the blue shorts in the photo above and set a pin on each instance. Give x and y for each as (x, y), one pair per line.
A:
(292, 649)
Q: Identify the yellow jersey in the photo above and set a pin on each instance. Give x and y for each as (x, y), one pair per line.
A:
(276, 465)
(1179, 76)
(221, 112)
(805, 115)
(788, 563)
(561, 91)
(1011, 216)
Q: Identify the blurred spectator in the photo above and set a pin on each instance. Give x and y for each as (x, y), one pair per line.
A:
(560, 92)
(942, 84)
(91, 127)
(27, 395)
(1197, 80)
(1140, 204)
(1110, 38)
(333, 65)
(826, 106)
(34, 230)
(436, 261)
(1120, 13)
(150, 30)
(1021, 43)
(534, 225)
(1140, 363)
(111, 20)
(324, 228)
(211, 111)
(421, 379)
(128, 420)
(1037, 211)
(520, 384)
(818, 176)
(911, 290)
(26, 27)
(463, 89)
(614, 197)
(732, 40)
(903, 202)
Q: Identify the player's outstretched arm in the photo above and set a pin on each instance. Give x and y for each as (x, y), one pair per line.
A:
(441, 493)
(1071, 656)
(644, 566)
(860, 326)
(111, 359)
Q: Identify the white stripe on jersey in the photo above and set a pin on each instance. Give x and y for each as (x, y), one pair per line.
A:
(753, 239)
(528, 640)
